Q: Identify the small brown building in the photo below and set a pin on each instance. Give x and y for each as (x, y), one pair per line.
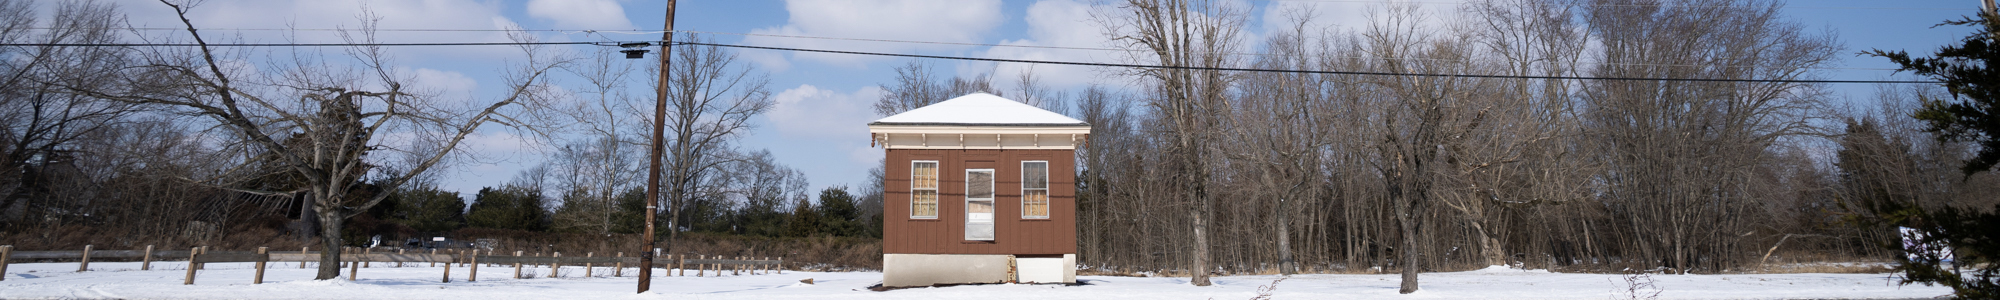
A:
(979, 189)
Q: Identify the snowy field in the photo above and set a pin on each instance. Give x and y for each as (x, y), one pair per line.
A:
(286, 281)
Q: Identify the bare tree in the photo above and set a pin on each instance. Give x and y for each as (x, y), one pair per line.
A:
(712, 99)
(1682, 156)
(1180, 35)
(1280, 130)
(601, 166)
(38, 118)
(316, 122)
(918, 85)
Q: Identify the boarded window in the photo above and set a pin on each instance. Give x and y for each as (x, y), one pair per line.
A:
(1035, 190)
(924, 189)
(979, 204)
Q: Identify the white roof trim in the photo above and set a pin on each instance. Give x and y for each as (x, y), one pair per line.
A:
(979, 109)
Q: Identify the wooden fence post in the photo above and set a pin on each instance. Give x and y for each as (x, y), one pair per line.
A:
(620, 272)
(447, 266)
(6, 252)
(517, 265)
(365, 251)
(587, 266)
(700, 269)
(680, 262)
(194, 254)
(85, 266)
(434, 263)
(302, 262)
(555, 266)
(473, 275)
(266, 251)
(737, 268)
(781, 265)
(147, 262)
(354, 268)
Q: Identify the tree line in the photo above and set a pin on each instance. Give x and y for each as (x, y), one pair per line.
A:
(1193, 170)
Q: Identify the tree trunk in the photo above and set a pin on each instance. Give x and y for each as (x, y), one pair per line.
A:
(1200, 269)
(1405, 217)
(1489, 246)
(1286, 265)
(330, 242)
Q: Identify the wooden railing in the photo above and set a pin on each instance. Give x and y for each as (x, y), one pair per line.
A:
(360, 258)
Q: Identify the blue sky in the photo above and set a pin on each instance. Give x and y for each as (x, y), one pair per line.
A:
(818, 124)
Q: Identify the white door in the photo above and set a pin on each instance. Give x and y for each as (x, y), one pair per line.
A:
(979, 204)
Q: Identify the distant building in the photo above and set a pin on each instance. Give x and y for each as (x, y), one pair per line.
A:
(979, 189)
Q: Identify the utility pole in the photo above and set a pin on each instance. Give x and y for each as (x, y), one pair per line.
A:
(659, 142)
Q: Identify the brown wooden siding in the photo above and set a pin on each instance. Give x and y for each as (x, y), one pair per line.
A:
(1012, 234)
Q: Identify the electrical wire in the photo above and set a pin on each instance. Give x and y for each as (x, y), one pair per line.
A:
(599, 34)
(1025, 61)
(291, 44)
(1115, 65)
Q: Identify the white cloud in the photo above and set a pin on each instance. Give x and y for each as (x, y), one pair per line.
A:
(328, 14)
(912, 20)
(810, 112)
(581, 14)
(1058, 23)
(445, 83)
(1353, 16)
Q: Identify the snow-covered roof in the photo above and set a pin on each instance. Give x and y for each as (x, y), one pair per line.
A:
(980, 109)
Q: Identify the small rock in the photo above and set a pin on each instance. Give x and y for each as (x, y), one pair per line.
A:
(806, 281)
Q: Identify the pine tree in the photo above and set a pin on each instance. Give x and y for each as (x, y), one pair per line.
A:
(1970, 116)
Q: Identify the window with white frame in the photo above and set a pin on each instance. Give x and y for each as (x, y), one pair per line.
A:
(979, 204)
(924, 189)
(1035, 190)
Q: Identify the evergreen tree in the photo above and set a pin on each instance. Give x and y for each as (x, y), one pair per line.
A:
(804, 220)
(1972, 115)
(508, 207)
(428, 209)
(630, 214)
(838, 214)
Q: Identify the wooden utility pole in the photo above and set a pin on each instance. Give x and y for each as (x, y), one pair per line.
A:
(659, 139)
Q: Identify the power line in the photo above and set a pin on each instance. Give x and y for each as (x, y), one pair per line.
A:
(595, 31)
(292, 44)
(1048, 62)
(1025, 61)
(1633, 5)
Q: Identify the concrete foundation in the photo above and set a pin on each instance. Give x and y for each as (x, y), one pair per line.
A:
(905, 270)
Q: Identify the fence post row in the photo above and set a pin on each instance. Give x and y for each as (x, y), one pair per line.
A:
(198, 257)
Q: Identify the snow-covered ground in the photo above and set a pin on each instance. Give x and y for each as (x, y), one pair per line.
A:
(287, 281)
